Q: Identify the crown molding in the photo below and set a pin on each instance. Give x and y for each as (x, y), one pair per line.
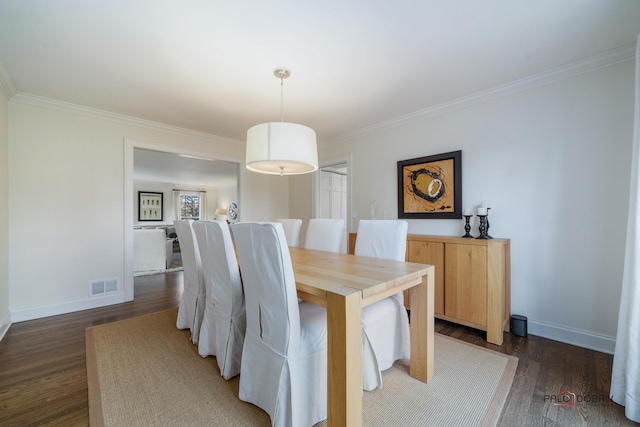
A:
(54, 104)
(612, 57)
(616, 56)
(6, 82)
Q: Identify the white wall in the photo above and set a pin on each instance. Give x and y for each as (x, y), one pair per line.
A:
(554, 162)
(226, 196)
(5, 317)
(211, 201)
(300, 201)
(66, 201)
(267, 194)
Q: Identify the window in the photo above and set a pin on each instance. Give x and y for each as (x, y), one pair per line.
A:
(190, 205)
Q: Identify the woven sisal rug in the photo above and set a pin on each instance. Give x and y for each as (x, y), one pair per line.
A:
(145, 372)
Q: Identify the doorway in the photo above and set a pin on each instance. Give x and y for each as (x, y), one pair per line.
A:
(333, 195)
(130, 147)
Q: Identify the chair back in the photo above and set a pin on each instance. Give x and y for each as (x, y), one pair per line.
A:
(291, 230)
(191, 263)
(325, 235)
(385, 324)
(193, 300)
(269, 286)
(382, 239)
(224, 322)
(219, 265)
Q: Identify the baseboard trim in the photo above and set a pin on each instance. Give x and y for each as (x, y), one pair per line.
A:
(5, 325)
(70, 307)
(578, 337)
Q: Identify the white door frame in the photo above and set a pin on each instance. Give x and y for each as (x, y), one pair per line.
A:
(129, 146)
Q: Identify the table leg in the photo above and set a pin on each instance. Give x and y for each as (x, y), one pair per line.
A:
(422, 299)
(344, 358)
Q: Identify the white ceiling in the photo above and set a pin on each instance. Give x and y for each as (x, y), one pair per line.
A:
(207, 65)
(188, 172)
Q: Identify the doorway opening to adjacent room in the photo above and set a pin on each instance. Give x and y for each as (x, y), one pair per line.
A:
(167, 169)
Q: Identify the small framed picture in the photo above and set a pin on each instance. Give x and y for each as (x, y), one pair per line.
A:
(150, 206)
(431, 187)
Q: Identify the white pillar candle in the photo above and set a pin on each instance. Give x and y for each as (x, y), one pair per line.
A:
(485, 204)
(466, 212)
(482, 211)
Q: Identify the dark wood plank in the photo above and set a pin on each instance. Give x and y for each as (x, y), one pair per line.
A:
(43, 363)
(43, 367)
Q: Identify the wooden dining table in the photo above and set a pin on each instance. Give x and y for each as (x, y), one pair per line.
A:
(343, 284)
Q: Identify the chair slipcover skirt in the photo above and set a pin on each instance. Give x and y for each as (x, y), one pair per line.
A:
(385, 324)
(192, 303)
(224, 323)
(284, 359)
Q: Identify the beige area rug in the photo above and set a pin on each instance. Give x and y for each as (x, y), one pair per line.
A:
(145, 372)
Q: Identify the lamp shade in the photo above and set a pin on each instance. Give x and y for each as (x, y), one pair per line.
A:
(281, 148)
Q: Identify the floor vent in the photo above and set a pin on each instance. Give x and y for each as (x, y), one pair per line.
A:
(103, 286)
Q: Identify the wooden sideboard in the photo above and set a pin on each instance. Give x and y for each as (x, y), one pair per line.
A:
(472, 279)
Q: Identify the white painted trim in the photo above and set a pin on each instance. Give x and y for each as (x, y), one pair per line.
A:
(127, 191)
(5, 325)
(129, 145)
(69, 307)
(67, 107)
(6, 82)
(616, 56)
(574, 336)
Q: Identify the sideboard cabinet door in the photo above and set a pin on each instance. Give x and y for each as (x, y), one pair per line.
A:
(465, 283)
(429, 253)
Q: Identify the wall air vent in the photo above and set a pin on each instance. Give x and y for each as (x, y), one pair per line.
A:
(103, 286)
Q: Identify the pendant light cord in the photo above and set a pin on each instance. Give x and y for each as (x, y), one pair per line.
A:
(281, 98)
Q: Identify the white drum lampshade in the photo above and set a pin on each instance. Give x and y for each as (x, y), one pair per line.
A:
(281, 148)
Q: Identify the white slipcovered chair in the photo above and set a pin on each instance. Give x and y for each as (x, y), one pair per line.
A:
(192, 303)
(284, 360)
(291, 230)
(224, 322)
(385, 324)
(325, 235)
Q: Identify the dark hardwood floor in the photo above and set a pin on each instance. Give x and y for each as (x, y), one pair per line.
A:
(43, 373)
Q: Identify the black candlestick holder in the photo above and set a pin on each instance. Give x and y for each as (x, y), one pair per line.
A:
(467, 226)
(483, 228)
(488, 235)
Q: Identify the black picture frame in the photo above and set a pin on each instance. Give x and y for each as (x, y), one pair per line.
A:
(150, 206)
(431, 187)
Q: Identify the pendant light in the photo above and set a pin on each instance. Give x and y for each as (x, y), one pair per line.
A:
(281, 148)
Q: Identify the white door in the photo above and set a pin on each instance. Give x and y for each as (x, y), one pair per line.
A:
(333, 196)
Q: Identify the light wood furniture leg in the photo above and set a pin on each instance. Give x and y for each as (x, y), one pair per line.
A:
(422, 307)
(495, 294)
(344, 358)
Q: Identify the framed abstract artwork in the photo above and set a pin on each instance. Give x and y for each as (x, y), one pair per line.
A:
(431, 187)
(150, 206)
